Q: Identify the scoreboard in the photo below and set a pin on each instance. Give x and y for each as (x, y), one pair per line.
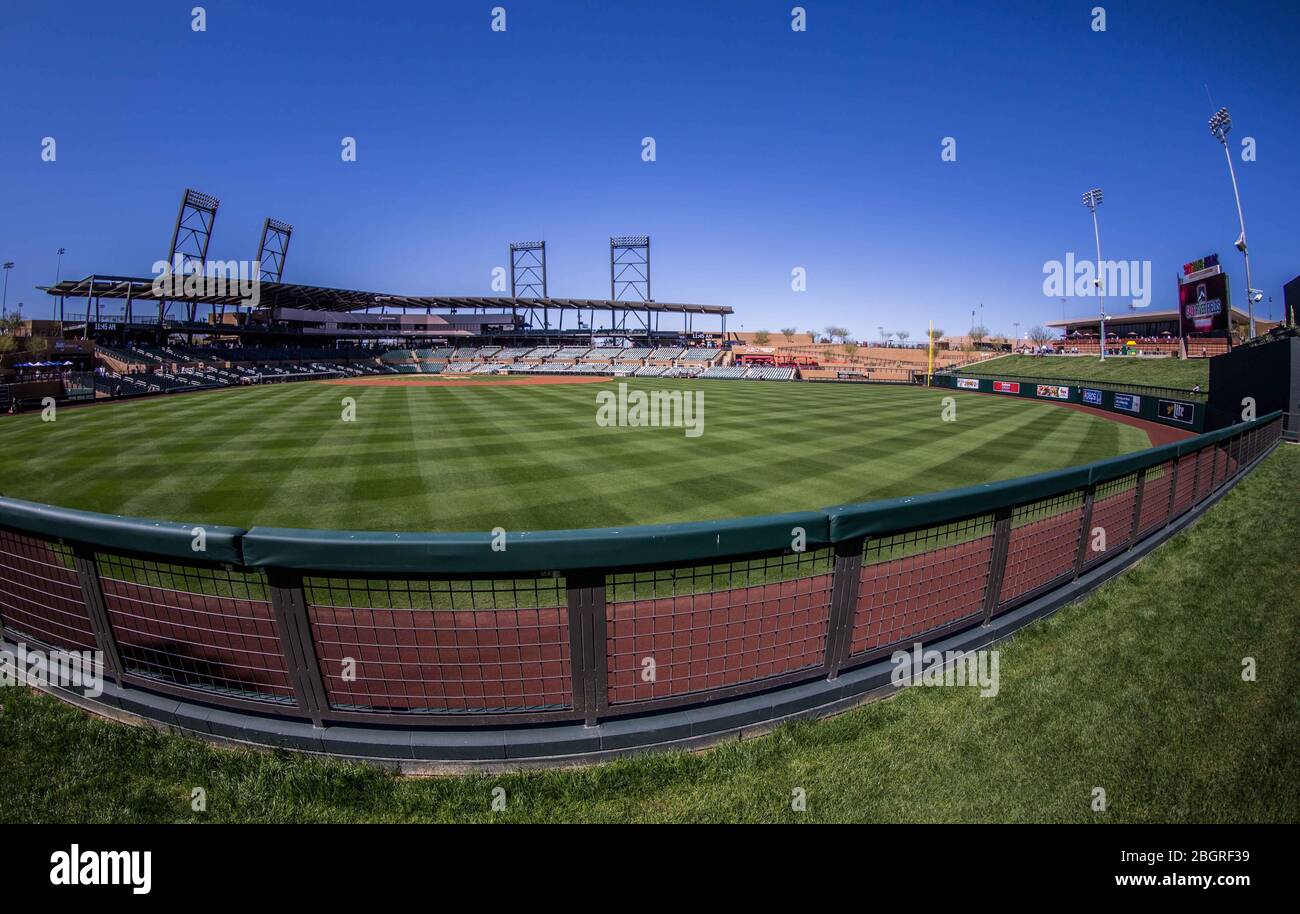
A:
(1203, 303)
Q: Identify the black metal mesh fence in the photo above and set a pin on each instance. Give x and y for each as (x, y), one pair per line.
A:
(694, 629)
(40, 594)
(918, 582)
(442, 646)
(204, 628)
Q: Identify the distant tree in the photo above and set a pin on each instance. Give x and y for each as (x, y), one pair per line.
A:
(978, 334)
(1040, 336)
(8, 343)
(850, 349)
(788, 333)
(812, 335)
(902, 336)
(761, 337)
(935, 335)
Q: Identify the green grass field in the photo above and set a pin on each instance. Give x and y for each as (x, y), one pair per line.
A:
(478, 456)
(1181, 373)
(1137, 689)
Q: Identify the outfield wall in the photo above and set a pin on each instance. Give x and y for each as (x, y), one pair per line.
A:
(1167, 406)
(510, 648)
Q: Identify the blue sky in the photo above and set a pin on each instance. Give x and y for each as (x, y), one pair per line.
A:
(775, 149)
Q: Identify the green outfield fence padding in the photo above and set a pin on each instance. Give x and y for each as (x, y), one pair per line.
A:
(116, 533)
(531, 551)
(539, 552)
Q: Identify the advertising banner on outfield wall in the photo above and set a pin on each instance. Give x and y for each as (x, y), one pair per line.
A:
(1129, 403)
(1176, 411)
(1181, 413)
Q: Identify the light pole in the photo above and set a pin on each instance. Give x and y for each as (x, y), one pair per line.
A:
(58, 267)
(4, 299)
(1092, 200)
(1220, 124)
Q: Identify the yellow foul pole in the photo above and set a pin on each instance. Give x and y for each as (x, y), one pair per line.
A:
(929, 371)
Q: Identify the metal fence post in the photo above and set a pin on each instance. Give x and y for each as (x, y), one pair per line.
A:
(587, 643)
(997, 561)
(92, 593)
(844, 603)
(289, 604)
(1173, 488)
(1196, 474)
(1140, 486)
(1085, 528)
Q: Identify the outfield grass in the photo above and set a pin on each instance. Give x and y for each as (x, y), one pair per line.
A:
(478, 457)
(1169, 372)
(1138, 690)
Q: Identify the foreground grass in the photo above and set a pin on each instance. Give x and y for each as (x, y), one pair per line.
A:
(1181, 373)
(1137, 690)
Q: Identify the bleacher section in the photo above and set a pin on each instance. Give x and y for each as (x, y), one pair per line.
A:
(570, 353)
(509, 355)
(752, 373)
(666, 355)
(603, 354)
(701, 355)
(725, 372)
(137, 369)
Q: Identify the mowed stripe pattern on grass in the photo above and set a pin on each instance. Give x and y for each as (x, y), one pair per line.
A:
(470, 458)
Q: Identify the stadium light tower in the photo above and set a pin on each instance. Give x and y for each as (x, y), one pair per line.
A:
(58, 266)
(1220, 124)
(4, 307)
(1092, 200)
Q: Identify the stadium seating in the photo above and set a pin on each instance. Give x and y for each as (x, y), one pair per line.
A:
(509, 355)
(669, 354)
(725, 372)
(769, 373)
(701, 355)
(750, 373)
(571, 353)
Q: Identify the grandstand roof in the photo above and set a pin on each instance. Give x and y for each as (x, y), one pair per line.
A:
(1136, 317)
(319, 298)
